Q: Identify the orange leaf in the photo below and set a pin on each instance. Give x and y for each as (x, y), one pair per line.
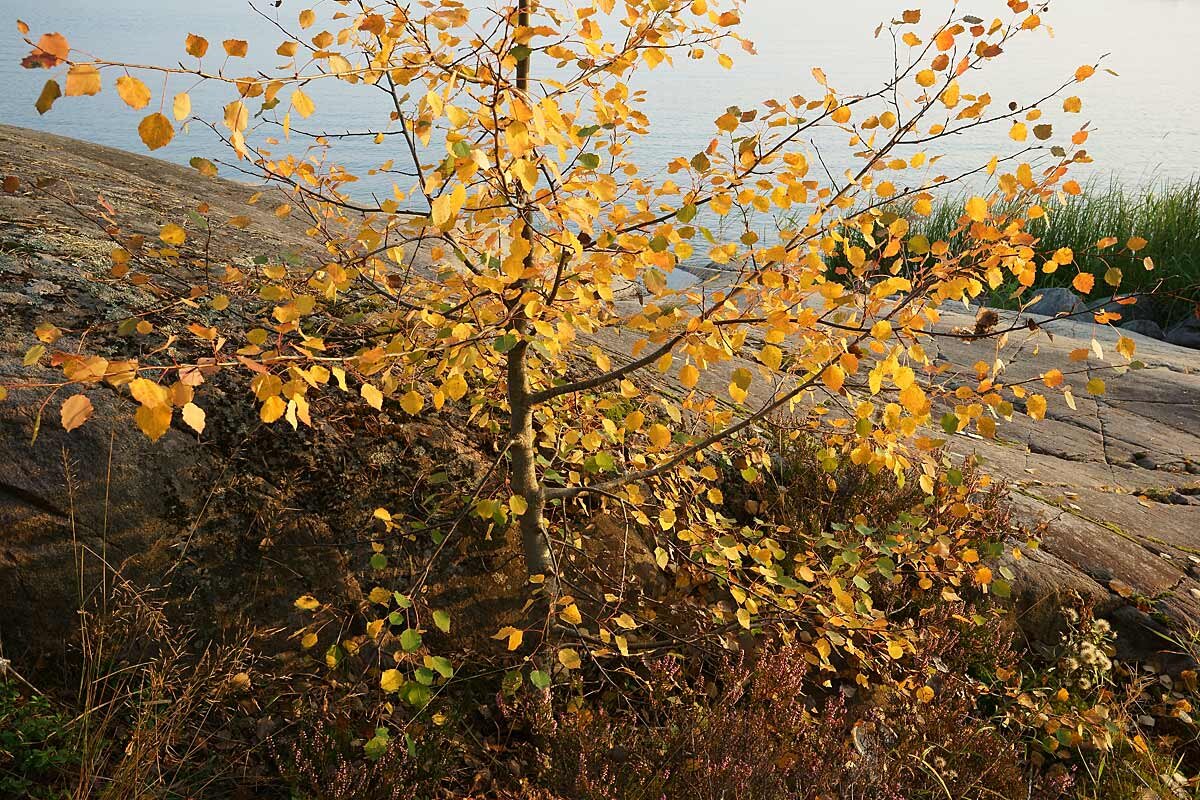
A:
(196, 45)
(156, 131)
(76, 410)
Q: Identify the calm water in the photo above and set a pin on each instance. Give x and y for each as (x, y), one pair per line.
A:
(1148, 118)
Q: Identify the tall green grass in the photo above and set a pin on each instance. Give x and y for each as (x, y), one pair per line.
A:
(1166, 215)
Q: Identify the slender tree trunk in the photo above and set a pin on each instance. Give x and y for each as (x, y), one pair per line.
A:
(523, 468)
(522, 440)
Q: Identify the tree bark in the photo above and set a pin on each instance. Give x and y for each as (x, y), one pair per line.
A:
(522, 440)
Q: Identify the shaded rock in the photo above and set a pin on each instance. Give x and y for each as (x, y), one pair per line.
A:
(1146, 327)
(1055, 301)
(71, 504)
(1131, 307)
(1042, 586)
(1186, 333)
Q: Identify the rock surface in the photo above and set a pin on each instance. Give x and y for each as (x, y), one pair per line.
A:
(1185, 333)
(1054, 301)
(1145, 327)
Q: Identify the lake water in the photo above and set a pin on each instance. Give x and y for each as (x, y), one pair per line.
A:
(1147, 118)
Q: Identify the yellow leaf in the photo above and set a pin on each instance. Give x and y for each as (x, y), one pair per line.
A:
(925, 694)
(391, 680)
(412, 402)
(82, 79)
(235, 48)
(182, 105)
(133, 91)
(1084, 282)
(1095, 386)
(571, 615)
(193, 417)
(446, 207)
(372, 395)
(307, 603)
(895, 650)
(1018, 132)
(1126, 346)
(50, 93)
(148, 393)
(834, 377)
(272, 409)
(977, 209)
(1036, 406)
(302, 103)
(771, 356)
(688, 376)
(172, 234)
(237, 116)
(156, 131)
(660, 437)
(154, 420)
(569, 658)
(75, 411)
(518, 504)
(455, 387)
(307, 18)
(526, 172)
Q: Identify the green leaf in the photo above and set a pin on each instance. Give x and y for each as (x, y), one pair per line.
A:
(589, 160)
(410, 640)
(378, 561)
(686, 214)
(443, 666)
(950, 423)
(375, 747)
(512, 682)
(416, 695)
(442, 620)
(202, 165)
(539, 679)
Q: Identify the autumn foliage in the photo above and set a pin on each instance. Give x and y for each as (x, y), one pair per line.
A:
(516, 280)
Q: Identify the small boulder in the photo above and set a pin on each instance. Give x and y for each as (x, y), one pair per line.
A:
(1186, 333)
(1146, 327)
(1054, 301)
(1131, 307)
